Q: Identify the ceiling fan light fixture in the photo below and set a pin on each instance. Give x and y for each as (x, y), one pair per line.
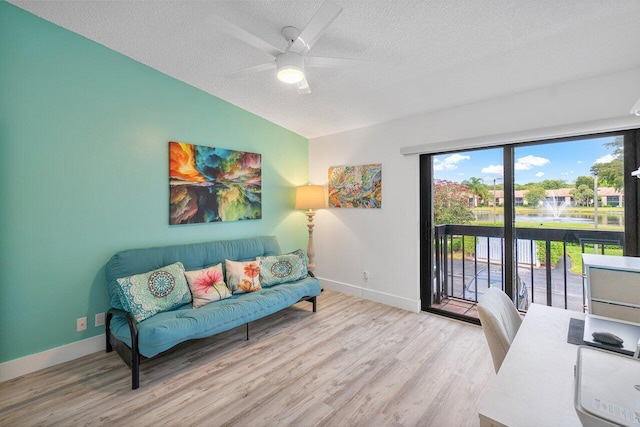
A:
(290, 74)
(290, 67)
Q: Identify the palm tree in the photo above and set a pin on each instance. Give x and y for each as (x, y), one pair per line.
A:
(478, 188)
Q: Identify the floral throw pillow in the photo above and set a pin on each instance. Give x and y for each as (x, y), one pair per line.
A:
(144, 295)
(243, 276)
(207, 285)
(283, 268)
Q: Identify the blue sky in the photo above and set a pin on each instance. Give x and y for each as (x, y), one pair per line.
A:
(534, 163)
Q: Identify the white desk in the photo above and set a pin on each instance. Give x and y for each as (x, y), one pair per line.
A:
(535, 385)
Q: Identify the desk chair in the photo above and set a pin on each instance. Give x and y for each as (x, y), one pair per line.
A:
(500, 322)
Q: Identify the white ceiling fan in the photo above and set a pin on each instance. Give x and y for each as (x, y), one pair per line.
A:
(291, 62)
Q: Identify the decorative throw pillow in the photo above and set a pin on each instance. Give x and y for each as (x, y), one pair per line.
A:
(243, 276)
(302, 255)
(144, 295)
(282, 268)
(207, 285)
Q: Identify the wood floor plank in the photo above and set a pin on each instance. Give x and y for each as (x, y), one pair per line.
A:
(354, 362)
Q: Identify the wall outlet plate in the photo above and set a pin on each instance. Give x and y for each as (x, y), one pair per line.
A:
(81, 324)
(99, 319)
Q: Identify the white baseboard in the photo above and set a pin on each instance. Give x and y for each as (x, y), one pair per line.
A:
(46, 359)
(381, 297)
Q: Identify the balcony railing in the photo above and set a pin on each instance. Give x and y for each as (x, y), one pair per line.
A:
(471, 258)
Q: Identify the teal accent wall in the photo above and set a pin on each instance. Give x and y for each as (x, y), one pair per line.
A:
(84, 135)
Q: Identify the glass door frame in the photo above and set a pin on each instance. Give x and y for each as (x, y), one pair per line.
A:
(631, 161)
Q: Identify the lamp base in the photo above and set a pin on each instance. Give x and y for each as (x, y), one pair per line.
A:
(311, 252)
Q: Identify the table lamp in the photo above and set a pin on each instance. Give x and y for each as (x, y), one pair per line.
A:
(310, 197)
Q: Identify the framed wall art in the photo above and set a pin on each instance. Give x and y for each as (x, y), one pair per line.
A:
(356, 186)
(210, 184)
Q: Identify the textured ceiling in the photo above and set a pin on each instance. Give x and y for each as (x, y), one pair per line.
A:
(428, 55)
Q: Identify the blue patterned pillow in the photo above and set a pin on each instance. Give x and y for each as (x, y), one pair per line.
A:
(283, 268)
(144, 295)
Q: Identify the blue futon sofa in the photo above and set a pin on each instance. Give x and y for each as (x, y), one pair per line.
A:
(134, 340)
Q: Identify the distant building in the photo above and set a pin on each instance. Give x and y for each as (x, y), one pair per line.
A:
(609, 196)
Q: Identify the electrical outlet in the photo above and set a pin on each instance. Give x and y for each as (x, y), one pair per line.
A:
(81, 324)
(99, 319)
(365, 276)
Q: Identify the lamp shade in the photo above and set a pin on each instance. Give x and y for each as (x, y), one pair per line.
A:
(310, 197)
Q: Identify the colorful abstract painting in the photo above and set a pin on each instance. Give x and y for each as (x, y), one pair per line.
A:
(356, 186)
(210, 184)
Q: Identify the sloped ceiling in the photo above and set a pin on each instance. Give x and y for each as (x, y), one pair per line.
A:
(428, 55)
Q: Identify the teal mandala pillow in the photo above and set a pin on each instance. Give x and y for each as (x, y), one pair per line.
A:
(144, 295)
(283, 268)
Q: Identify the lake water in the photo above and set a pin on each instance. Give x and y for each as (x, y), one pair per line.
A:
(569, 218)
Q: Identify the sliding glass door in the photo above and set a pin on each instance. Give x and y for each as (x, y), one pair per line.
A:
(520, 216)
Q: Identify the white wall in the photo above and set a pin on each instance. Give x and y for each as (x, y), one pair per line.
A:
(385, 241)
(381, 241)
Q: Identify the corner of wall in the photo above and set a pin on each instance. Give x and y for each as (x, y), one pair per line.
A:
(376, 296)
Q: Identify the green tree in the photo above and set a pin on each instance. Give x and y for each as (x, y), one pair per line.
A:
(582, 195)
(552, 184)
(478, 188)
(451, 203)
(584, 180)
(610, 174)
(534, 196)
(547, 184)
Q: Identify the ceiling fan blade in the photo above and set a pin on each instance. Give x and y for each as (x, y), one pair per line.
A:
(254, 69)
(325, 62)
(244, 35)
(303, 86)
(316, 27)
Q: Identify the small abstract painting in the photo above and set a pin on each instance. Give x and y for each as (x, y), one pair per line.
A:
(210, 184)
(356, 186)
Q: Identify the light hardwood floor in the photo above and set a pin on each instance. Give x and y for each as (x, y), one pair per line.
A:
(353, 363)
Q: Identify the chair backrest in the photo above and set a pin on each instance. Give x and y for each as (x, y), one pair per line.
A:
(500, 322)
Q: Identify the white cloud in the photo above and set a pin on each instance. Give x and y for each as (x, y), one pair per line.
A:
(579, 162)
(540, 174)
(496, 169)
(450, 162)
(606, 158)
(528, 162)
